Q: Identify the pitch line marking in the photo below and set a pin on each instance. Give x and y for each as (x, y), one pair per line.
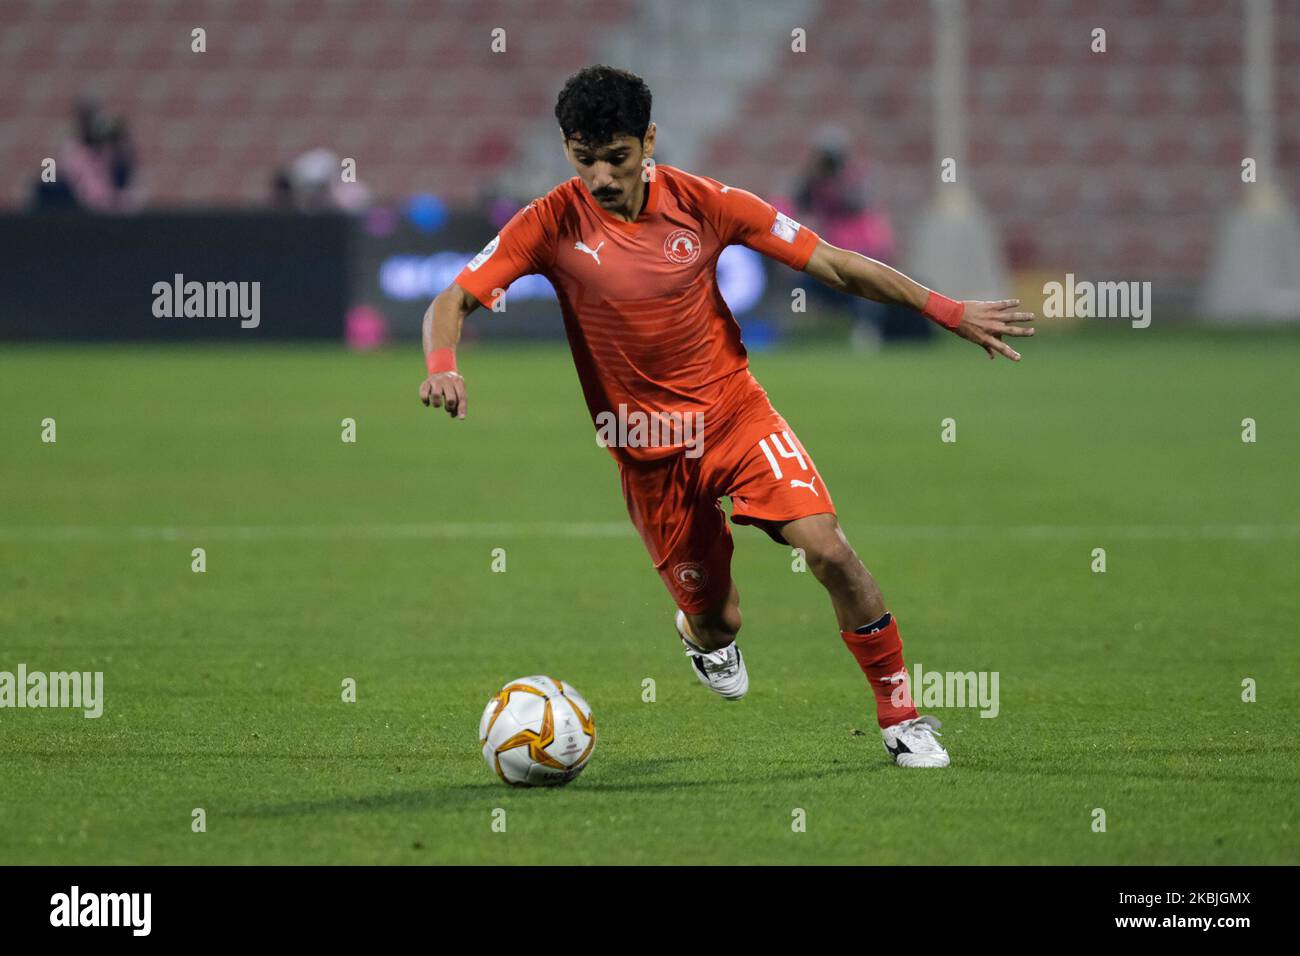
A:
(622, 529)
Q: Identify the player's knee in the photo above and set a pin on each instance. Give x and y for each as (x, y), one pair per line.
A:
(824, 545)
(831, 557)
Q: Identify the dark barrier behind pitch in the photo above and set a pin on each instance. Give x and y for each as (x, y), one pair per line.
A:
(85, 277)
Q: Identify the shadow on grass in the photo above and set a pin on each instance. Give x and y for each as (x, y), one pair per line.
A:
(641, 777)
(1119, 772)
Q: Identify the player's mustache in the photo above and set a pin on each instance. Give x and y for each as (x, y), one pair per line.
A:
(605, 193)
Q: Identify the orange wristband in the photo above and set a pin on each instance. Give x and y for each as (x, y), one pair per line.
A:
(947, 312)
(441, 360)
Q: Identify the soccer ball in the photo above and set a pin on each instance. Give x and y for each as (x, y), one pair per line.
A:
(537, 732)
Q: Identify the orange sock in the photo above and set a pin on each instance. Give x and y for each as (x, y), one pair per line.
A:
(880, 655)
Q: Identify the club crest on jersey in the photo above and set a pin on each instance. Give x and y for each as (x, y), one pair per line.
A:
(485, 255)
(691, 575)
(682, 246)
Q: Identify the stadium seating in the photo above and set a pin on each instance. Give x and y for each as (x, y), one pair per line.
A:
(411, 90)
(1138, 148)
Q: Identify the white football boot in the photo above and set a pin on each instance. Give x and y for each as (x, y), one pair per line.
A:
(912, 743)
(721, 671)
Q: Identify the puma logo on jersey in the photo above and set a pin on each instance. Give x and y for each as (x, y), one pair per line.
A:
(594, 253)
(796, 483)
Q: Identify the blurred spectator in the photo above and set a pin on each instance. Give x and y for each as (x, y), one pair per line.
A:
(314, 183)
(281, 190)
(95, 166)
(835, 199)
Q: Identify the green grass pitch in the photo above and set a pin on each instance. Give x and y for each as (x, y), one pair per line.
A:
(373, 561)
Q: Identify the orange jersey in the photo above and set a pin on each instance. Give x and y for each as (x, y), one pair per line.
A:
(647, 324)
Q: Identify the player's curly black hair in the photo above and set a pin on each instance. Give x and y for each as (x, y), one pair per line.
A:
(601, 102)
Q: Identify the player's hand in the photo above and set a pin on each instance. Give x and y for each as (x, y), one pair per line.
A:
(445, 390)
(984, 323)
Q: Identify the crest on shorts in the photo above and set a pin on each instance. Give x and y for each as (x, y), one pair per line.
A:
(690, 575)
(682, 246)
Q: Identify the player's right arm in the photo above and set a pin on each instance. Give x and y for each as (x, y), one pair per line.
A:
(445, 387)
(523, 246)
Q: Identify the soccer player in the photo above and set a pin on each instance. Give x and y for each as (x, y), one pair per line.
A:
(631, 249)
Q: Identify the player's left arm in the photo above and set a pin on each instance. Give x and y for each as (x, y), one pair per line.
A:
(984, 323)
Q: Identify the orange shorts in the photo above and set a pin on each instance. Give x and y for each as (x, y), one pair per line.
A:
(758, 462)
